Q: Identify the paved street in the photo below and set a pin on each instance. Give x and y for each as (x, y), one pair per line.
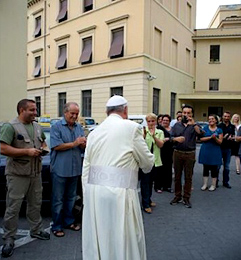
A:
(211, 230)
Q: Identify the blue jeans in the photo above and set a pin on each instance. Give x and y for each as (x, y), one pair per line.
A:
(63, 200)
(226, 154)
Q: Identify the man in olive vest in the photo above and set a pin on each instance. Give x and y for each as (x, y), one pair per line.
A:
(22, 140)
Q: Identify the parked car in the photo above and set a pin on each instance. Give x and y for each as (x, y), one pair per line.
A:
(46, 183)
(54, 120)
(44, 120)
(140, 119)
(201, 124)
(88, 124)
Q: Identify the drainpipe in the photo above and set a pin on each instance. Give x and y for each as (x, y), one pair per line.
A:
(45, 70)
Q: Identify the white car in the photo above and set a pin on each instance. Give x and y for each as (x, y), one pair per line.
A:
(140, 119)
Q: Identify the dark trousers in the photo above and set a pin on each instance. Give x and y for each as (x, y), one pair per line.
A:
(212, 168)
(147, 180)
(164, 178)
(183, 161)
(226, 154)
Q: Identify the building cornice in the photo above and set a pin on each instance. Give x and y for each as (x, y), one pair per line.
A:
(205, 95)
(38, 11)
(62, 37)
(37, 50)
(227, 36)
(117, 19)
(93, 27)
(32, 2)
(119, 73)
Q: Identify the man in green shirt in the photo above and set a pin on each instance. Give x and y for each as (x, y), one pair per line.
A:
(22, 141)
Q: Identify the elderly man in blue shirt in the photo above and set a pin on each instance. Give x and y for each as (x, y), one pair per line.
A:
(67, 143)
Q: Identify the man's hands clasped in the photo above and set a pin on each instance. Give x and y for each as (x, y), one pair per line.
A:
(80, 141)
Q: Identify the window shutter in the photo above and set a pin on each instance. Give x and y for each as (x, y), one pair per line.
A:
(86, 51)
(117, 44)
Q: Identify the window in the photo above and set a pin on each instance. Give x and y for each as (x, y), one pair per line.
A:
(215, 110)
(86, 56)
(62, 58)
(63, 12)
(213, 84)
(158, 44)
(173, 105)
(38, 105)
(37, 67)
(189, 15)
(37, 31)
(175, 7)
(117, 43)
(116, 91)
(62, 102)
(188, 60)
(156, 96)
(214, 53)
(88, 5)
(86, 103)
(174, 52)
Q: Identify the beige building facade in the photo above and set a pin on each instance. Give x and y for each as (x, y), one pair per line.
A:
(218, 65)
(13, 53)
(87, 50)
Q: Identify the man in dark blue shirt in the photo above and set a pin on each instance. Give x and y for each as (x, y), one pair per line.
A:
(184, 154)
(228, 138)
(67, 143)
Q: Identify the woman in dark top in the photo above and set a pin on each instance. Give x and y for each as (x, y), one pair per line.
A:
(165, 180)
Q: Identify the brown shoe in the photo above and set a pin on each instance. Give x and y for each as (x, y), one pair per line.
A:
(175, 201)
(153, 204)
(148, 210)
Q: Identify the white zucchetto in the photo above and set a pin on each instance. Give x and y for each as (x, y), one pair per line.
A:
(116, 101)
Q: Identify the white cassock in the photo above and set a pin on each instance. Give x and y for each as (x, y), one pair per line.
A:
(112, 219)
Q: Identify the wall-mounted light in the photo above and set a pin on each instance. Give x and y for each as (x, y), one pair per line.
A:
(150, 77)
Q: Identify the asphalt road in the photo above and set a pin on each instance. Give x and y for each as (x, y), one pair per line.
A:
(210, 230)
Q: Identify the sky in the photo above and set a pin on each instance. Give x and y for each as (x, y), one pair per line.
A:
(206, 10)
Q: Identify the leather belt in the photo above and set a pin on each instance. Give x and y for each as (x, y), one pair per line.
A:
(179, 151)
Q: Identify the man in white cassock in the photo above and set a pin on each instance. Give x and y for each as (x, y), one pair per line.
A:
(112, 219)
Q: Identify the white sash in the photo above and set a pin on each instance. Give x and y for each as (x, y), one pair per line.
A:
(113, 177)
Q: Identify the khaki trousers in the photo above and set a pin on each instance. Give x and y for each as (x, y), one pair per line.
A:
(20, 187)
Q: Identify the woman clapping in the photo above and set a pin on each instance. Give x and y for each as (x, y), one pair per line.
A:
(210, 153)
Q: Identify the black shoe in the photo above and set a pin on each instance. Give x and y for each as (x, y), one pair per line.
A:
(187, 203)
(175, 201)
(7, 249)
(43, 235)
(226, 185)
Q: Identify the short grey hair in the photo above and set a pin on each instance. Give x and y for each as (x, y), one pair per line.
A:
(117, 109)
(67, 105)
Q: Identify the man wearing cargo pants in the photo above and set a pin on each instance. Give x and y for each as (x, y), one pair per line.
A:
(22, 140)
